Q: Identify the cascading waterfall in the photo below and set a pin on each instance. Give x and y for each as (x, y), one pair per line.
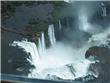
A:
(39, 46)
(51, 34)
(83, 23)
(103, 10)
(31, 48)
(43, 42)
(37, 52)
(59, 60)
(60, 25)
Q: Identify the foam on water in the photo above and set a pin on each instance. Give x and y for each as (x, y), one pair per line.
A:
(54, 61)
(31, 48)
(61, 60)
(100, 38)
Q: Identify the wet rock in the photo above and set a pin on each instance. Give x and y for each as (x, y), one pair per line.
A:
(101, 68)
(99, 53)
(86, 78)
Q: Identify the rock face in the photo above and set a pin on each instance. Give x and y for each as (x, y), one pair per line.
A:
(101, 68)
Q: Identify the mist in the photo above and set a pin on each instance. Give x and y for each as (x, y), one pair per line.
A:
(71, 49)
(86, 22)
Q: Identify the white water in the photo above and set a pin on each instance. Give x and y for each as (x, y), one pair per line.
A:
(103, 10)
(100, 38)
(60, 25)
(51, 34)
(55, 60)
(84, 23)
(43, 42)
(68, 1)
(29, 47)
(39, 46)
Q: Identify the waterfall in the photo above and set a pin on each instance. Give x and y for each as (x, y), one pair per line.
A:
(51, 34)
(31, 48)
(60, 25)
(67, 67)
(84, 25)
(45, 60)
(59, 60)
(103, 10)
(43, 42)
(39, 46)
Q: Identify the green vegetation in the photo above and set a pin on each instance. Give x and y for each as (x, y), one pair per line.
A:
(58, 12)
(37, 25)
(8, 9)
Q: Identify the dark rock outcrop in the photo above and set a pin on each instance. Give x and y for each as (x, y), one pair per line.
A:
(101, 68)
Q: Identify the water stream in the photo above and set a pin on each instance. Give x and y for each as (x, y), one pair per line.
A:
(51, 34)
(60, 59)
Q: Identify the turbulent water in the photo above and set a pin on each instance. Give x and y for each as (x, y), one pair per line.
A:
(63, 60)
(60, 60)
